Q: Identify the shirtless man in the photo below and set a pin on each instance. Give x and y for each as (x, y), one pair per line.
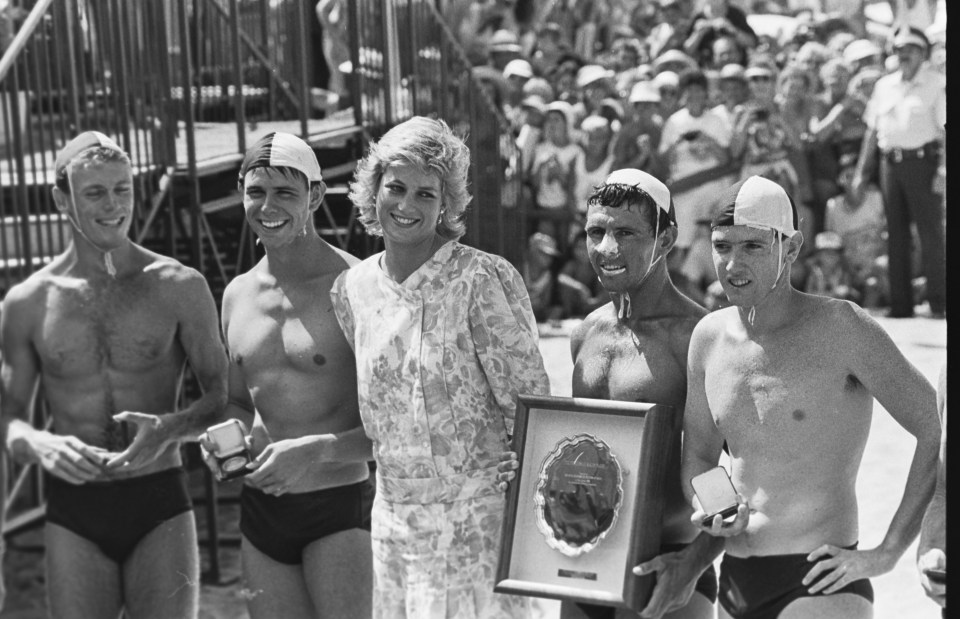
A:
(305, 508)
(635, 349)
(106, 329)
(788, 380)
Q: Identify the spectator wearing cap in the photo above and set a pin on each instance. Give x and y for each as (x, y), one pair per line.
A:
(539, 273)
(670, 30)
(517, 72)
(533, 109)
(503, 47)
(862, 53)
(596, 84)
(667, 84)
(539, 86)
(593, 163)
(694, 146)
(716, 18)
(673, 60)
(733, 91)
(906, 119)
(828, 272)
(636, 144)
(552, 173)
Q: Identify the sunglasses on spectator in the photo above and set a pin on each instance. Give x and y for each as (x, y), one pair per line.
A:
(668, 91)
(760, 78)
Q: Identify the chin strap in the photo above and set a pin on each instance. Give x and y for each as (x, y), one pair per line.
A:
(752, 314)
(107, 258)
(625, 303)
(625, 307)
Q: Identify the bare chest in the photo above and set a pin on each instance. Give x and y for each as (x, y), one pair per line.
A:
(775, 395)
(84, 330)
(631, 367)
(275, 331)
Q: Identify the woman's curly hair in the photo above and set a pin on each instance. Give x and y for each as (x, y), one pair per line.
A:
(430, 145)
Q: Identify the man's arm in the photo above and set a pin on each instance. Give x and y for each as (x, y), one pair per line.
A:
(931, 552)
(66, 457)
(199, 336)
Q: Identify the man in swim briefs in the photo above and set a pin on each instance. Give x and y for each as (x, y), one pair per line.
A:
(305, 505)
(635, 348)
(788, 381)
(106, 329)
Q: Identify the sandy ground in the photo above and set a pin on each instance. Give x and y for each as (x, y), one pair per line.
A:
(879, 486)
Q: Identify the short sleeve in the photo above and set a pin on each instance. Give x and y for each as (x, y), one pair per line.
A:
(341, 307)
(505, 336)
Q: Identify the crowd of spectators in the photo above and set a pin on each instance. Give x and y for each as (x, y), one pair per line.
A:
(688, 91)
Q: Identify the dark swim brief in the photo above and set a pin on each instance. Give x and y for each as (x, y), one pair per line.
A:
(282, 526)
(761, 587)
(116, 515)
(707, 583)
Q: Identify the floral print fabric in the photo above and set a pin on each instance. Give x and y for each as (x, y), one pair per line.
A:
(440, 359)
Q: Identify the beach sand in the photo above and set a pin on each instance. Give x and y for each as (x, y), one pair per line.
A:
(879, 487)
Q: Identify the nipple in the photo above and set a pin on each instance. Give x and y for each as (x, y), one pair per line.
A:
(625, 308)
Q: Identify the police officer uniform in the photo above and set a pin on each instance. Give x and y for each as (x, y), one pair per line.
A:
(908, 117)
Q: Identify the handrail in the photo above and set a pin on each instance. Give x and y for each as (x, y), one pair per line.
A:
(23, 35)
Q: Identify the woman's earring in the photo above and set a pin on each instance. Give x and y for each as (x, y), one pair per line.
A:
(440, 217)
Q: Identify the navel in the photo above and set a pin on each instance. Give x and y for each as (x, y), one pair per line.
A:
(319, 359)
(798, 415)
(238, 359)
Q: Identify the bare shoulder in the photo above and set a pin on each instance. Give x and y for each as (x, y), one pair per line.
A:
(593, 321)
(24, 299)
(349, 259)
(173, 280)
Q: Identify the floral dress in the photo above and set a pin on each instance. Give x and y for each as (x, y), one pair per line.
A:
(440, 358)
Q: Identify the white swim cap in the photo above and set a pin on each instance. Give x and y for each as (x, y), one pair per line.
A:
(278, 149)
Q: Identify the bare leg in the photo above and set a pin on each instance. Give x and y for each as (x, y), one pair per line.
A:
(82, 582)
(162, 575)
(338, 570)
(274, 589)
(846, 605)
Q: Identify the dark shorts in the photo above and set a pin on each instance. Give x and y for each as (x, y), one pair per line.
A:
(707, 583)
(282, 526)
(761, 587)
(116, 515)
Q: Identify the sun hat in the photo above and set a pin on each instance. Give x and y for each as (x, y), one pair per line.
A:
(644, 92)
(518, 67)
(733, 71)
(591, 73)
(860, 49)
(908, 35)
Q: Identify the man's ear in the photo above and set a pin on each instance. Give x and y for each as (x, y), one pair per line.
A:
(668, 238)
(317, 191)
(61, 199)
(793, 246)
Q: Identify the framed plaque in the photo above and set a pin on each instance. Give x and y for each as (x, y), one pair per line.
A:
(587, 502)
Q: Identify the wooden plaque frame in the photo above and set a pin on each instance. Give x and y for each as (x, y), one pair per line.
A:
(641, 436)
